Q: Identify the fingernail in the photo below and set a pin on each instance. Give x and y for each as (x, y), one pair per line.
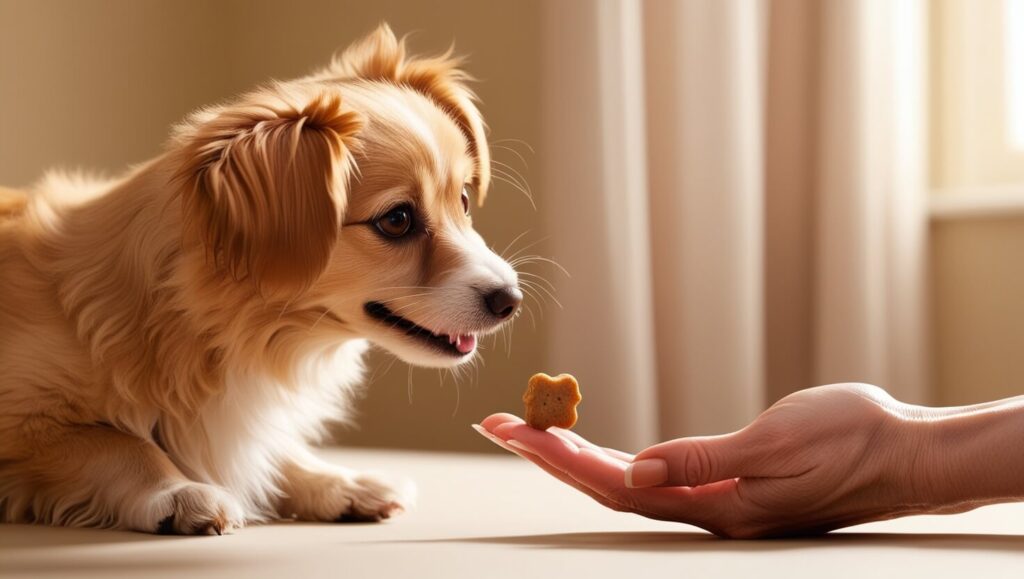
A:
(646, 473)
(516, 444)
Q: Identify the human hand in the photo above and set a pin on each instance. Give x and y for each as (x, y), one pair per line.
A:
(817, 460)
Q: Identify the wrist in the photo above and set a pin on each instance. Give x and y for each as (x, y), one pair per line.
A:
(969, 456)
(909, 474)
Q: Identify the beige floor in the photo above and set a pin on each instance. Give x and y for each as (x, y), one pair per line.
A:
(491, 516)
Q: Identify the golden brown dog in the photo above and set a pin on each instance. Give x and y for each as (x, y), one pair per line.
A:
(171, 342)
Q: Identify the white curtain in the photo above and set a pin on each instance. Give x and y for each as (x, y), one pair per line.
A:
(737, 189)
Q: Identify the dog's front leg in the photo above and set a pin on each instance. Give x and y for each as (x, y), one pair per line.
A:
(92, 475)
(315, 490)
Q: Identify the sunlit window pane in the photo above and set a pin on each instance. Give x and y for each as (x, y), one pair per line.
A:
(1014, 60)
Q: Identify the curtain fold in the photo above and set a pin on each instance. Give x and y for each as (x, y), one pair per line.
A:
(871, 219)
(738, 191)
(704, 127)
(594, 141)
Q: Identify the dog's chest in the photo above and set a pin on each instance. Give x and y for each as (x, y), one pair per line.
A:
(260, 422)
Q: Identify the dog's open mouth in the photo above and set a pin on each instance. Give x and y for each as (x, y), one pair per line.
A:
(456, 345)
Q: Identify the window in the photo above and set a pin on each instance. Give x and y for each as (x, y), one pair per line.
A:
(1013, 34)
(977, 97)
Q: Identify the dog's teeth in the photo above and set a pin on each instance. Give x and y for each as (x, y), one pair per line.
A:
(465, 343)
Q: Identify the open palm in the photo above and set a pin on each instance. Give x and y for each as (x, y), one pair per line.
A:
(817, 460)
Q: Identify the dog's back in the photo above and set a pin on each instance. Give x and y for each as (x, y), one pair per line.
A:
(12, 203)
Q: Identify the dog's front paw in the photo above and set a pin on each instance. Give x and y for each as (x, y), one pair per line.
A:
(200, 509)
(374, 499)
(348, 498)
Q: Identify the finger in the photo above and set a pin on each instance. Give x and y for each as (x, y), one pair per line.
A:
(519, 450)
(564, 455)
(596, 470)
(699, 461)
(584, 443)
(558, 474)
(712, 507)
(495, 420)
(584, 456)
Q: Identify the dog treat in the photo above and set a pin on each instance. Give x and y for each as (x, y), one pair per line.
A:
(552, 401)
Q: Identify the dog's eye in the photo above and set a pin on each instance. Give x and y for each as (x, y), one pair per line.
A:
(397, 222)
(465, 200)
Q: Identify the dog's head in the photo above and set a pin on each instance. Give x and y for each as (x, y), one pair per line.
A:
(350, 191)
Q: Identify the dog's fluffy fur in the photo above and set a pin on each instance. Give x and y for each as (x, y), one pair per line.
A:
(172, 341)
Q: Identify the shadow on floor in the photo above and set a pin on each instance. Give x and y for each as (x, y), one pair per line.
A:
(690, 541)
(13, 536)
(32, 549)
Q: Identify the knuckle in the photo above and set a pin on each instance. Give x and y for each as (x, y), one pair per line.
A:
(623, 501)
(698, 465)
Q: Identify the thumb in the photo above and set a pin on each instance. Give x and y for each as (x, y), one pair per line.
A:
(695, 461)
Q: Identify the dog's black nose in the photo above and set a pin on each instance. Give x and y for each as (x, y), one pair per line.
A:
(504, 302)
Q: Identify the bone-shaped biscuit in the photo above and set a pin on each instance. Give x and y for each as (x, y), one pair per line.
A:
(552, 401)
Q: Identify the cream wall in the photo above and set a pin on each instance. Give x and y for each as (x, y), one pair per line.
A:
(977, 309)
(97, 85)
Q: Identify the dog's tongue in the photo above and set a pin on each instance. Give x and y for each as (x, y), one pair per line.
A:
(465, 344)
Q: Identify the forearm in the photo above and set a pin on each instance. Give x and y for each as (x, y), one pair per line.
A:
(972, 455)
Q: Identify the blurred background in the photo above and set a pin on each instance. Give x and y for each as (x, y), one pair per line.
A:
(749, 197)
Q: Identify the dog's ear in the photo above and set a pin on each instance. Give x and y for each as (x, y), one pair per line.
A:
(382, 57)
(263, 184)
(443, 80)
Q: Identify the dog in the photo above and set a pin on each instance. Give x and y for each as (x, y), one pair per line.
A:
(173, 341)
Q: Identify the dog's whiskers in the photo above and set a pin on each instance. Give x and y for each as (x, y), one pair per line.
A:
(527, 292)
(508, 340)
(515, 152)
(533, 318)
(408, 389)
(509, 175)
(539, 259)
(537, 287)
(516, 141)
(515, 256)
(387, 369)
(503, 177)
(511, 243)
(458, 396)
(512, 172)
(537, 277)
